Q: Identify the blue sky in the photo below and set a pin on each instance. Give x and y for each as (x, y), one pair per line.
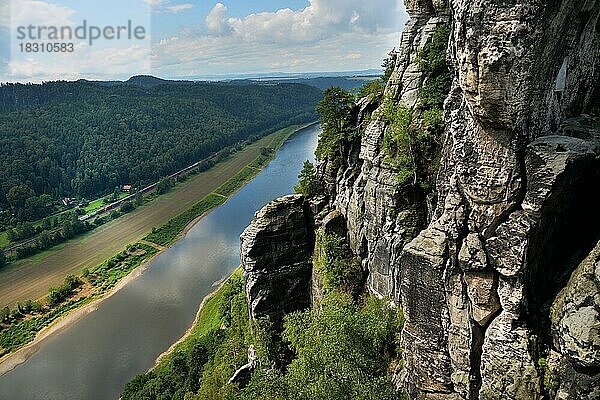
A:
(197, 38)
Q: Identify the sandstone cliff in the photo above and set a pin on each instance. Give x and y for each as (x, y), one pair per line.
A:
(496, 268)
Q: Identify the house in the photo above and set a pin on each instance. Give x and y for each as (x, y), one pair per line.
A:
(68, 201)
(126, 188)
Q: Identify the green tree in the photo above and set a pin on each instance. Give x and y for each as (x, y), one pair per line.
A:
(4, 314)
(139, 198)
(68, 229)
(334, 111)
(2, 259)
(17, 195)
(388, 66)
(333, 259)
(343, 352)
(116, 193)
(373, 90)
(308, 183)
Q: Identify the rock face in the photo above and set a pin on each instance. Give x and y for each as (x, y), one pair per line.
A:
(575, 318)
(515, 208)
(242, 375)
(276, 252)
(477, 265)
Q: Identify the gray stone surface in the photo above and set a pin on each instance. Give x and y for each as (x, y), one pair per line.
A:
(519, 163)
(576, 315)
(515, 208)
(276, 252)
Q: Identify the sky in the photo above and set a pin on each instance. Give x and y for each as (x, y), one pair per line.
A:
(193, 38)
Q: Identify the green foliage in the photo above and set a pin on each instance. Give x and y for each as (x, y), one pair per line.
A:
(18, 335)
(167, 233)
(373, 90)
(333, 259)
(308, 183)
(104, 277)
(433, 55)
(237, 181)
(2, 259)
(434, 91)
(343, 352)
(413, 144)
(4, 314)
(164, 185)
(68, 139)
(400, 142)
(57, 295)
(388, 66)
(549, 378)
(127, 207)
(201, 366)
(334, 111)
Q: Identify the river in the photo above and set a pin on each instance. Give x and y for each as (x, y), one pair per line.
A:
(100, 353)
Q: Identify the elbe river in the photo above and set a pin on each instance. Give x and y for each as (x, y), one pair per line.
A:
(100, 353)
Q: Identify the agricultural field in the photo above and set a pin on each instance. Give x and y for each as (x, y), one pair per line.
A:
(31, 278)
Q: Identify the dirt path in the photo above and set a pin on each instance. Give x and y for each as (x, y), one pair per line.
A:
(31, 278)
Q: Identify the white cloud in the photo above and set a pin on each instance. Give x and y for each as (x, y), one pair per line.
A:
(165, 6)
(320, 19)
(34, 12)
(85, 62)
(155, 3)
(215, 21)
(179, 7)
(207, 55)
(325, 35)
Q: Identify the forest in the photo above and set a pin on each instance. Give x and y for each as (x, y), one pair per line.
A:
(82, 139)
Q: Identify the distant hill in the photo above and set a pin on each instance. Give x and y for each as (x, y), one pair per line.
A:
(348, 83)
(84, 138)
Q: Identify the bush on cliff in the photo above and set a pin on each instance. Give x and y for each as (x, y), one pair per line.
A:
(343, 351)
(308, 183)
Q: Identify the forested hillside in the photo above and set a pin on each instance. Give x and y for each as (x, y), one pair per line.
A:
(84, 138)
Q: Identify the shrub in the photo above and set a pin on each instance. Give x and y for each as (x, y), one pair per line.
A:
(334, 111)
(333, 259)
(308, 184)
(57, 295)
(343, 352)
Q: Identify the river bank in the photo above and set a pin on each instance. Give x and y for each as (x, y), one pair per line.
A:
(13, 359)
(31, 278)
(124, 336)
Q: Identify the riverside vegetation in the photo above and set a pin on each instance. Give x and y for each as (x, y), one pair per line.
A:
(82, 139)
(339, 351)
(20, 326)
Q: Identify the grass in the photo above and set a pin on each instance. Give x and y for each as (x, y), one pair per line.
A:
(99, 203)
(102, 278)
(17, 336)
(167, 233)
(4, 242)
(237, 181)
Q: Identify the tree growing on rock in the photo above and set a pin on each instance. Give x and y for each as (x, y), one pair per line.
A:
(308, 184)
